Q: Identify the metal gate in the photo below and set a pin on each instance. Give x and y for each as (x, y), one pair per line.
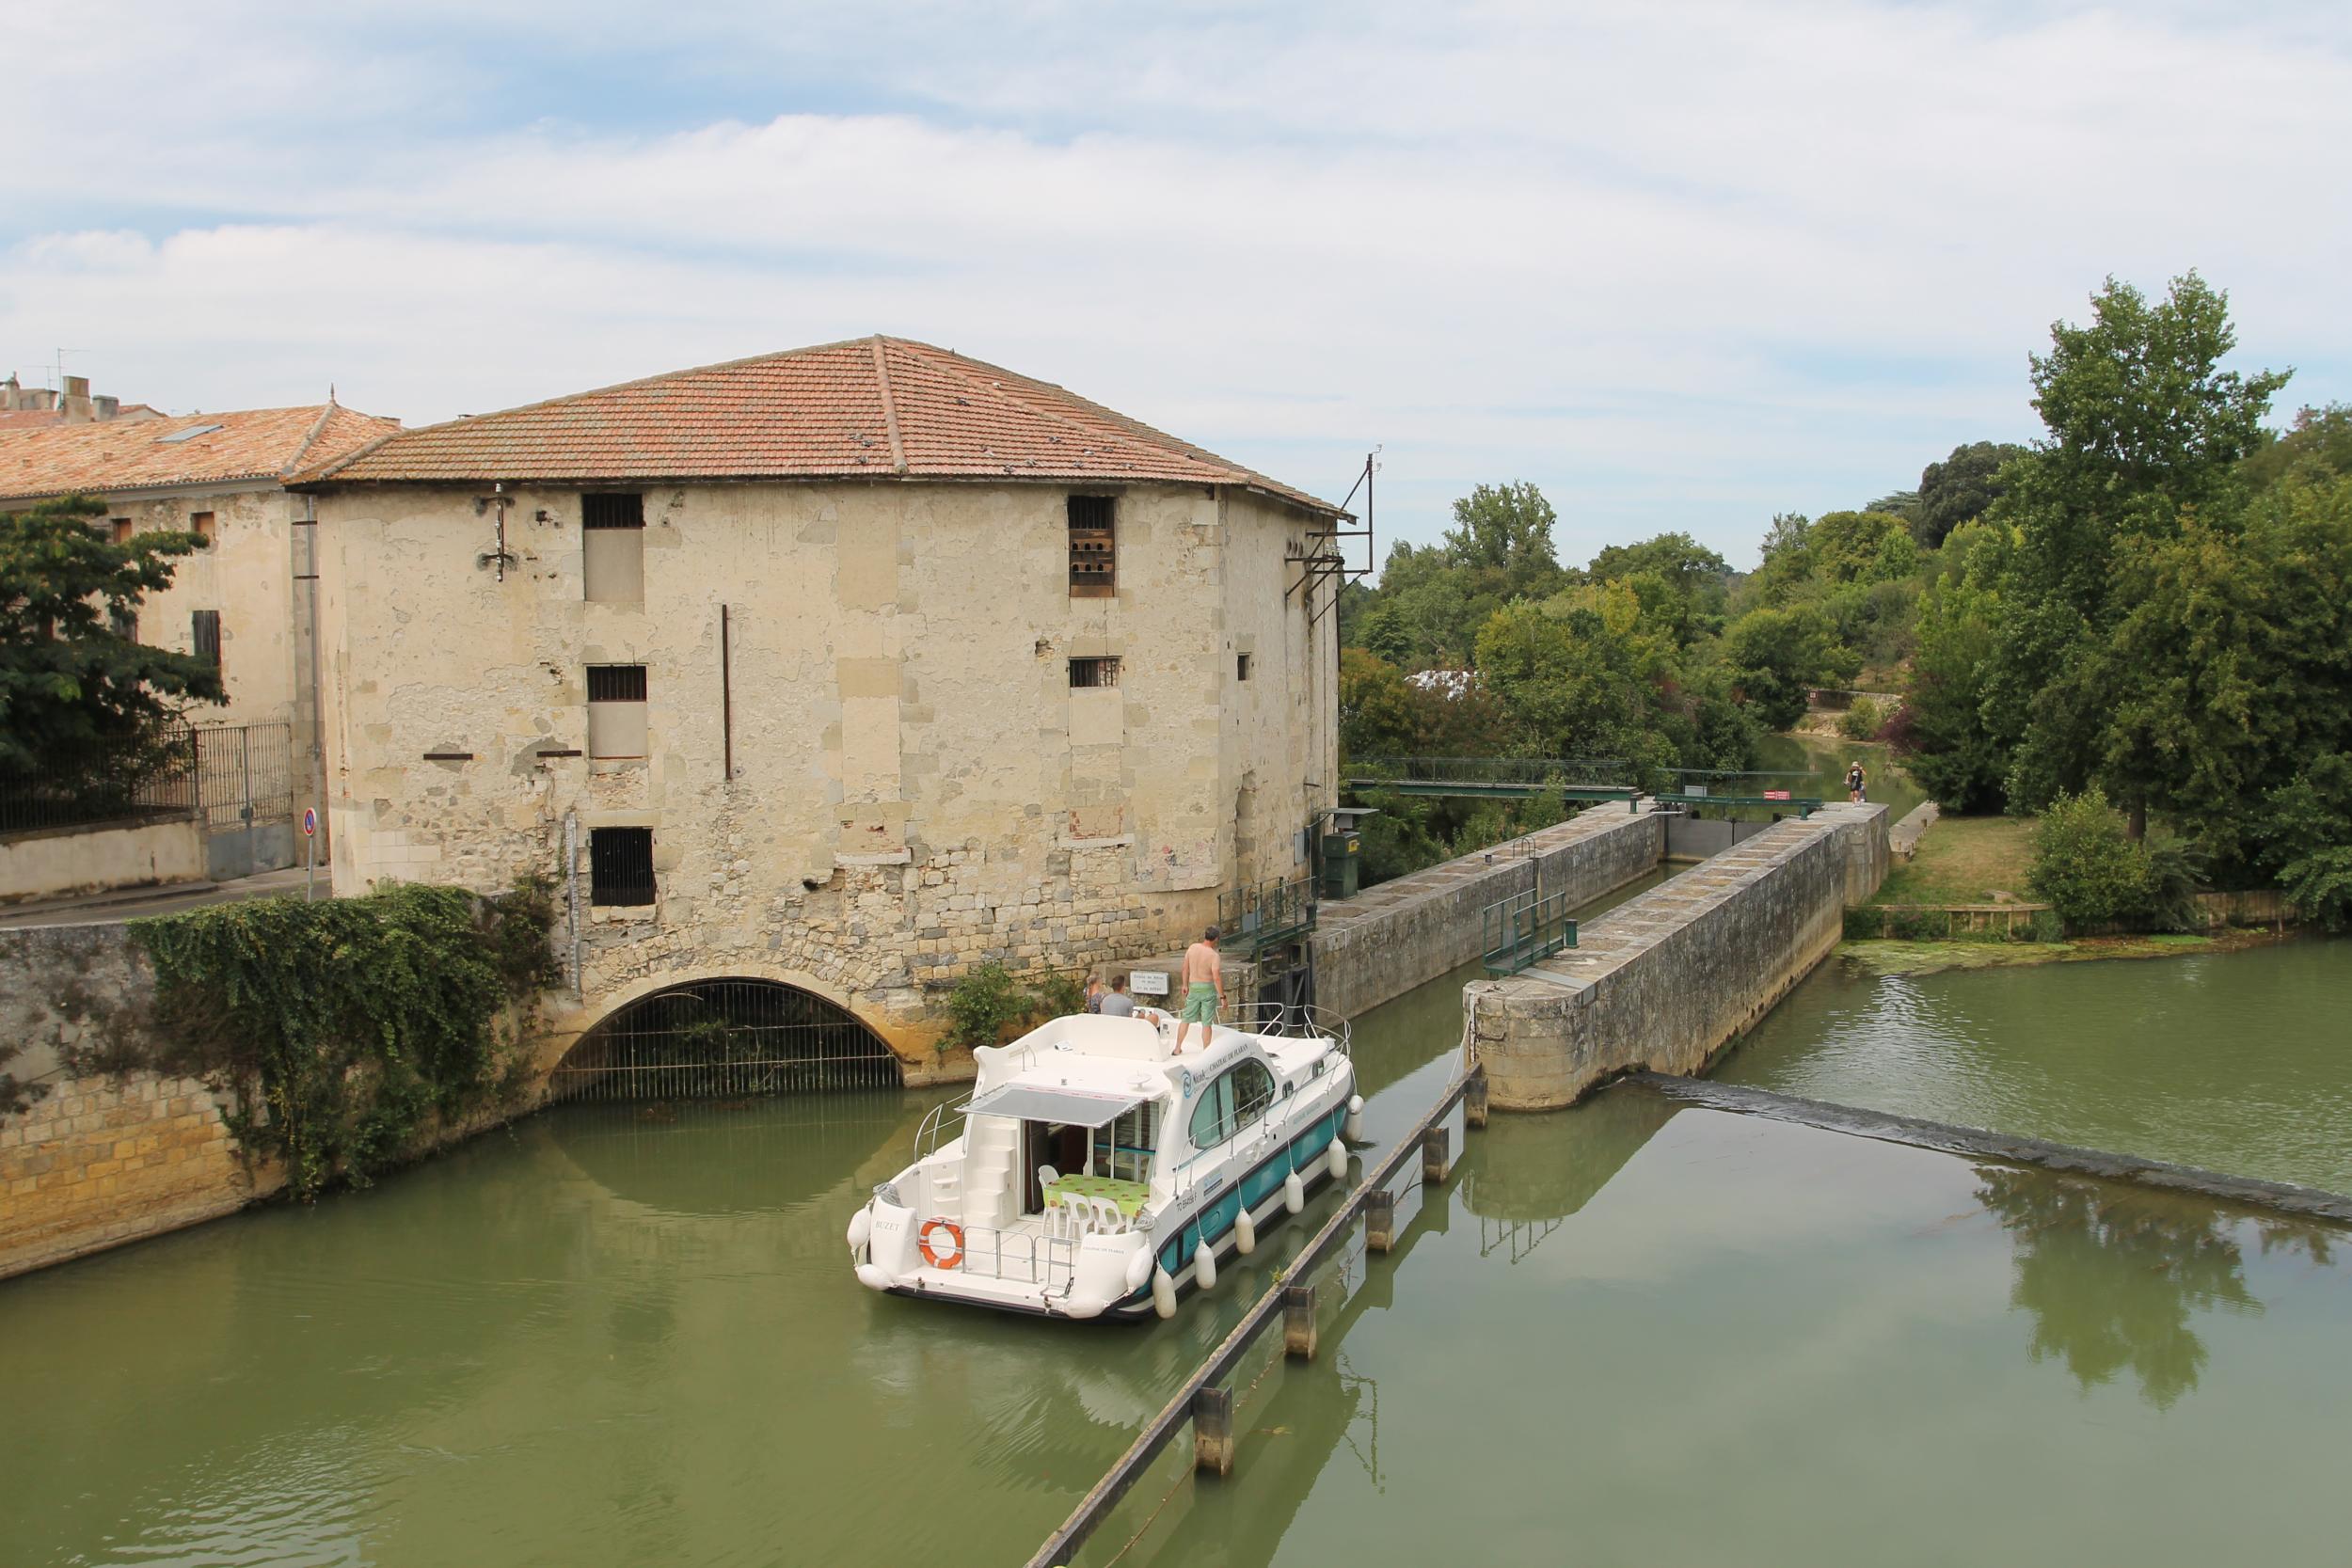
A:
(724, 1039)
(245, 797)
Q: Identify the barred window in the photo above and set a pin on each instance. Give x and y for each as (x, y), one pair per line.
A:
(616, 711)
(620, 865)
(612, 548)
(1094, 671)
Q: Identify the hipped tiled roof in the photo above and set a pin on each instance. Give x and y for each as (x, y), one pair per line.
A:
(136, 454)
(871, 408)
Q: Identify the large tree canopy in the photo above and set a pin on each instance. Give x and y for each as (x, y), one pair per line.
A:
(1959, 490)
(70, 681)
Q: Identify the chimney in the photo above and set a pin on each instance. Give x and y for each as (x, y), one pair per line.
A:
(108, 407)
(76, 402)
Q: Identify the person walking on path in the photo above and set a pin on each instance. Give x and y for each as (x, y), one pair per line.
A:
(1856, 779)
(1204, 990)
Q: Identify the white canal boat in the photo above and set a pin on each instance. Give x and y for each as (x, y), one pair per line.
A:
(1096, 1173)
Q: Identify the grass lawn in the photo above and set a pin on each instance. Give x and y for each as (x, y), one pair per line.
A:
(1964, 860)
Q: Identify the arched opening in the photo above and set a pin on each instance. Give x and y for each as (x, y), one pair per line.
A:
(724, 1039)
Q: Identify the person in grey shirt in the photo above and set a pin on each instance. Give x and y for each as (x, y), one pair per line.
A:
(1116, 1002)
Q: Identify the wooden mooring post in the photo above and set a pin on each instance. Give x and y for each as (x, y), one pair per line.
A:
(1380, 1221)
(1299, 1321)
(1213, 1430)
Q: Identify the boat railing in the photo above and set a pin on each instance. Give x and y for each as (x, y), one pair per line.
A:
(933, 1132)
(993, 1253)
(1293, 1020)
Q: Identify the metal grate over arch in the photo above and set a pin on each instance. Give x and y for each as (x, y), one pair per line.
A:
(722, 1040)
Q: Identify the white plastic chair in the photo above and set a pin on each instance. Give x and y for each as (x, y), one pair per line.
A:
(1109, 1221)
(1047, 1175)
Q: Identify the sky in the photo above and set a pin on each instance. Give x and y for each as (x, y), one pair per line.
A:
(1683, 266)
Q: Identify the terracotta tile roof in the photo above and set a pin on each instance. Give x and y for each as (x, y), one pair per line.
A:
(138, 454)
(873, 408)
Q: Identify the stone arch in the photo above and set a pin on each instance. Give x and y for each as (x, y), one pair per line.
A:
(722, 1036)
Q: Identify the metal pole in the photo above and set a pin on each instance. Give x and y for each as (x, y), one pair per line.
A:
(727, 692)
(309, 866)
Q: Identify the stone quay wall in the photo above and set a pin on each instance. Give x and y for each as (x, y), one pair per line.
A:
(1665, 981)
(1383, 943)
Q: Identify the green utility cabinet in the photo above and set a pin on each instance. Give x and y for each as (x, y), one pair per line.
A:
(1342, 859)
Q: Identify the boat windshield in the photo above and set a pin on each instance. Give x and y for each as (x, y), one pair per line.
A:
(1123, 1148)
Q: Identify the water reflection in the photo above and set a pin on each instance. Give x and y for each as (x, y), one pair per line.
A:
(2112, 1274)
(1529, 1178)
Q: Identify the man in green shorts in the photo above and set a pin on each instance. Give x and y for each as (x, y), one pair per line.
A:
(1204, 990)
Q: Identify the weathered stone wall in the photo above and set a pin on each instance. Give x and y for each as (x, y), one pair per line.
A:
(104, 1158)
(917, 787)
(1665, 980)
(1389, 939)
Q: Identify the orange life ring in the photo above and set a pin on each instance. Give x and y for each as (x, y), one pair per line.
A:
(936, 1260)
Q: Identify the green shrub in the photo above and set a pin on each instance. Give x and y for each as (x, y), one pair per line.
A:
(991, 1000)
(2085, 864)
(1863, 721)
(2046, 927)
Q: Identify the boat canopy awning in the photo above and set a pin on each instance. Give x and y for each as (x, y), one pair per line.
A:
(1042, 1102)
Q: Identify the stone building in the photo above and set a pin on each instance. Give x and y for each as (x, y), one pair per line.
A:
(845, 667)
(248, 601)
(23, 408)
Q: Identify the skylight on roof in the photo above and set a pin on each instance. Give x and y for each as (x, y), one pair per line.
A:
(191, 433)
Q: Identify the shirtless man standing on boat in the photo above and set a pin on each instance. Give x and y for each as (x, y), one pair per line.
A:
(1204, 990)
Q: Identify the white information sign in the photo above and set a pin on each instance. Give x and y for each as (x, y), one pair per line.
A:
(1149, 982)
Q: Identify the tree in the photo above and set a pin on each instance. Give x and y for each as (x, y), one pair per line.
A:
(70, 681)
(1776, 657)
(2321, 440)
(1505, 529)
(1959, 490)
(1948, 747)
(1681, 583)
(2085, 864)
(2145, 428)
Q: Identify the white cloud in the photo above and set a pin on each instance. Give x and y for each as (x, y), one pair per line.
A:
(1684, 266)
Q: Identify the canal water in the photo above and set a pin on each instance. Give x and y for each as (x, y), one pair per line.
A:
(2235, 1062)
(608, 1335)
(1633, 1334)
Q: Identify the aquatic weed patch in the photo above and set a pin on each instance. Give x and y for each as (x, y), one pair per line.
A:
(1932, 957)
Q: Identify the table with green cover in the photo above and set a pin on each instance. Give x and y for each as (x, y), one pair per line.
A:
(1129, 1196)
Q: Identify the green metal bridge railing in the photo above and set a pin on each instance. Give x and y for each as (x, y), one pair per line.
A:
(1585, 777)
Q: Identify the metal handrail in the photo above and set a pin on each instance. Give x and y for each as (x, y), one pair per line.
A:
(1525, 928)
(1534, 770)
(1804, 805)
(1061, 1255)
(1265, 912)
(932, 1133)
(1294, 1021)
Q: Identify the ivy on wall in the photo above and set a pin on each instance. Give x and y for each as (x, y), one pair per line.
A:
(345, 1026)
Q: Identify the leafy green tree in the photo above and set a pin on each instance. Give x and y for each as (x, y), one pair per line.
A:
(1949, 749)
(2306, 828)
(69, 679)
(1959, 490)
(1681, 583)
(1776, 657)
(2321, 440)
(2144, 428)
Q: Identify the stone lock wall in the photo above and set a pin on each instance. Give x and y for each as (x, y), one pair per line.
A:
(1403, 933)
(1665, 980)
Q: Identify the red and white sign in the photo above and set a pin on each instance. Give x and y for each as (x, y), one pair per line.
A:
(309, 822)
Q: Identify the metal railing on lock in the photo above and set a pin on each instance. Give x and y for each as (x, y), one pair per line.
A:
(1265, 913)
(1207, 1408)
(1523, 930)
(1511, 776)
(1804, 805)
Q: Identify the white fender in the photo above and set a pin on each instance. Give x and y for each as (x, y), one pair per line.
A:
(1084, 1307)
(1294, 1192)
(1138, 1268)
(861, 1228)
(1354, 1127)
(1204, 1265)
(1163, 1294)
(1335, 1160)
(1245, 1232)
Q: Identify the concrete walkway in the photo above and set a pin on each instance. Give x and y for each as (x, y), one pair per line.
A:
(136, 903)
(1903, 837)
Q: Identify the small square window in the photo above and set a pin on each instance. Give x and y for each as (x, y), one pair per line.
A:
(1094, 671)
(620, 865)
(201, 524)
(1241, 667)
(122, 530)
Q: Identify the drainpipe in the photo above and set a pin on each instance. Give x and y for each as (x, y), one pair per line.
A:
(571, 888)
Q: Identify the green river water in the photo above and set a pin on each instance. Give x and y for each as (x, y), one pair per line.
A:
(1625, 1334)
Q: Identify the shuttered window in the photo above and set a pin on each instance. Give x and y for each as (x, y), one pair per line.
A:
(612, 548)
(205, 635)
(616, 711)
